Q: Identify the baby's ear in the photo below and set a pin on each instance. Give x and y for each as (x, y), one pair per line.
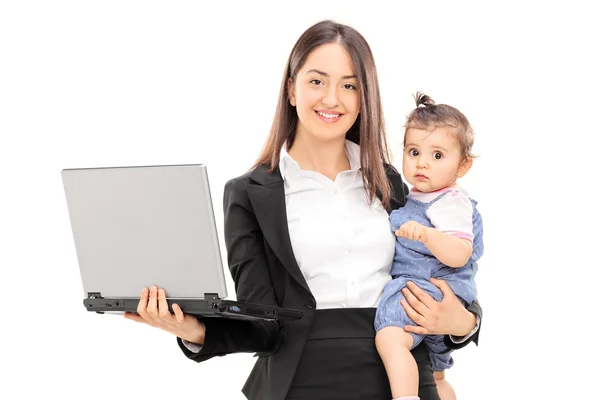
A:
(464, 167)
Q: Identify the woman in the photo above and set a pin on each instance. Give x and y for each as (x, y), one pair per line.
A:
(307, 228)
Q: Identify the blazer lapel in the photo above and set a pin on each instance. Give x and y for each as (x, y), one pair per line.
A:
(267, 196)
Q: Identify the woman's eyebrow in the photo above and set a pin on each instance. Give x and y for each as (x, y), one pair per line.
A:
(327, 75)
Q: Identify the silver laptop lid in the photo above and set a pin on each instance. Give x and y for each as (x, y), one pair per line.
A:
(135, 227)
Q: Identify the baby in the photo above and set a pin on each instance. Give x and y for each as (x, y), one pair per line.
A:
(439, 235)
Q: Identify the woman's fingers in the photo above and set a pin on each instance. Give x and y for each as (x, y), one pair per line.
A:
(419, 330)
(178, 313)
(143, 305)
(153, 309)
(443, 286)
(420, 295)
(415, 304)
(412, 314)
(163, 306)
(153, 303)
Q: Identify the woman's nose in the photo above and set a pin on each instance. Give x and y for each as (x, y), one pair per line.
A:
(330, 99)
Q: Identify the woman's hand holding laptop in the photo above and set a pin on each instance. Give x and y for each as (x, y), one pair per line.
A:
(154, 311)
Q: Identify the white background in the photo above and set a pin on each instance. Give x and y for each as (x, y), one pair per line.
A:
(111, 83)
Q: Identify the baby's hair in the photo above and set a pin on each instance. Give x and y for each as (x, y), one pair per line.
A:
(427, 114)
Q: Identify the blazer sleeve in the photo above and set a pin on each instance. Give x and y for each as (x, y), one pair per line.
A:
(248, 265)
(400, 191)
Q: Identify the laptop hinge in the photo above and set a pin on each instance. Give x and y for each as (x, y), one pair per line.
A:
(90, 302)
(212, 300)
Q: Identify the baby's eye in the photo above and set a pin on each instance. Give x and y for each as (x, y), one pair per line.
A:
(437, 155)
(413, 152)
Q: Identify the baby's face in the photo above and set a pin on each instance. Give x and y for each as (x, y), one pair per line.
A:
(432, 159)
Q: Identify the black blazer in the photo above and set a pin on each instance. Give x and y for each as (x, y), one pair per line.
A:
(265, 271)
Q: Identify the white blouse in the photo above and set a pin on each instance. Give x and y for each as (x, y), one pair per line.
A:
(343, 245)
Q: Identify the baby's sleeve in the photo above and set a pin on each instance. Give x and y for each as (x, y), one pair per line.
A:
(453, 214)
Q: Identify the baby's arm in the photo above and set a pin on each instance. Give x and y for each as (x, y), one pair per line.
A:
(451, 238)
(451, 250)
(451, 241)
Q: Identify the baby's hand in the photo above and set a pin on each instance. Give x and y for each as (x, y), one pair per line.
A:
(413, 231)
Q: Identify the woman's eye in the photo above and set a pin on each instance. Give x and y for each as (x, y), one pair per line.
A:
(437, 155)
(349, 86)
(316, 82)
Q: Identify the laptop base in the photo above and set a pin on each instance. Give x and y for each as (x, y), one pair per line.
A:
(209, 306)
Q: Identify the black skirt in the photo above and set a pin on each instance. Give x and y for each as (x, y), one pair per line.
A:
(340, 361)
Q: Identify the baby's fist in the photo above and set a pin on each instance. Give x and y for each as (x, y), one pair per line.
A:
(413, 231)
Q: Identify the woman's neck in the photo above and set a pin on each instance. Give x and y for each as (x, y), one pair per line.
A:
(325, 157)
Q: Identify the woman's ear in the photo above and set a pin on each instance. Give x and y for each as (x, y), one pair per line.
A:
(464, 167)
(291, 92)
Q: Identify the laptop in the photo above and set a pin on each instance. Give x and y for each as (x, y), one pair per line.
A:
(139, 226)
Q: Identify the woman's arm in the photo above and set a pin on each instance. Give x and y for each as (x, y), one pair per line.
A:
(226, 336)
(447, 317)
(248, 265)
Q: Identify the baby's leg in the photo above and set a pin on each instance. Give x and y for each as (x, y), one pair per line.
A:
(393, 345)
(441, 360)
(444, 388)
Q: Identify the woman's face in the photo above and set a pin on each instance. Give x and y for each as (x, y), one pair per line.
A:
(326, 93)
